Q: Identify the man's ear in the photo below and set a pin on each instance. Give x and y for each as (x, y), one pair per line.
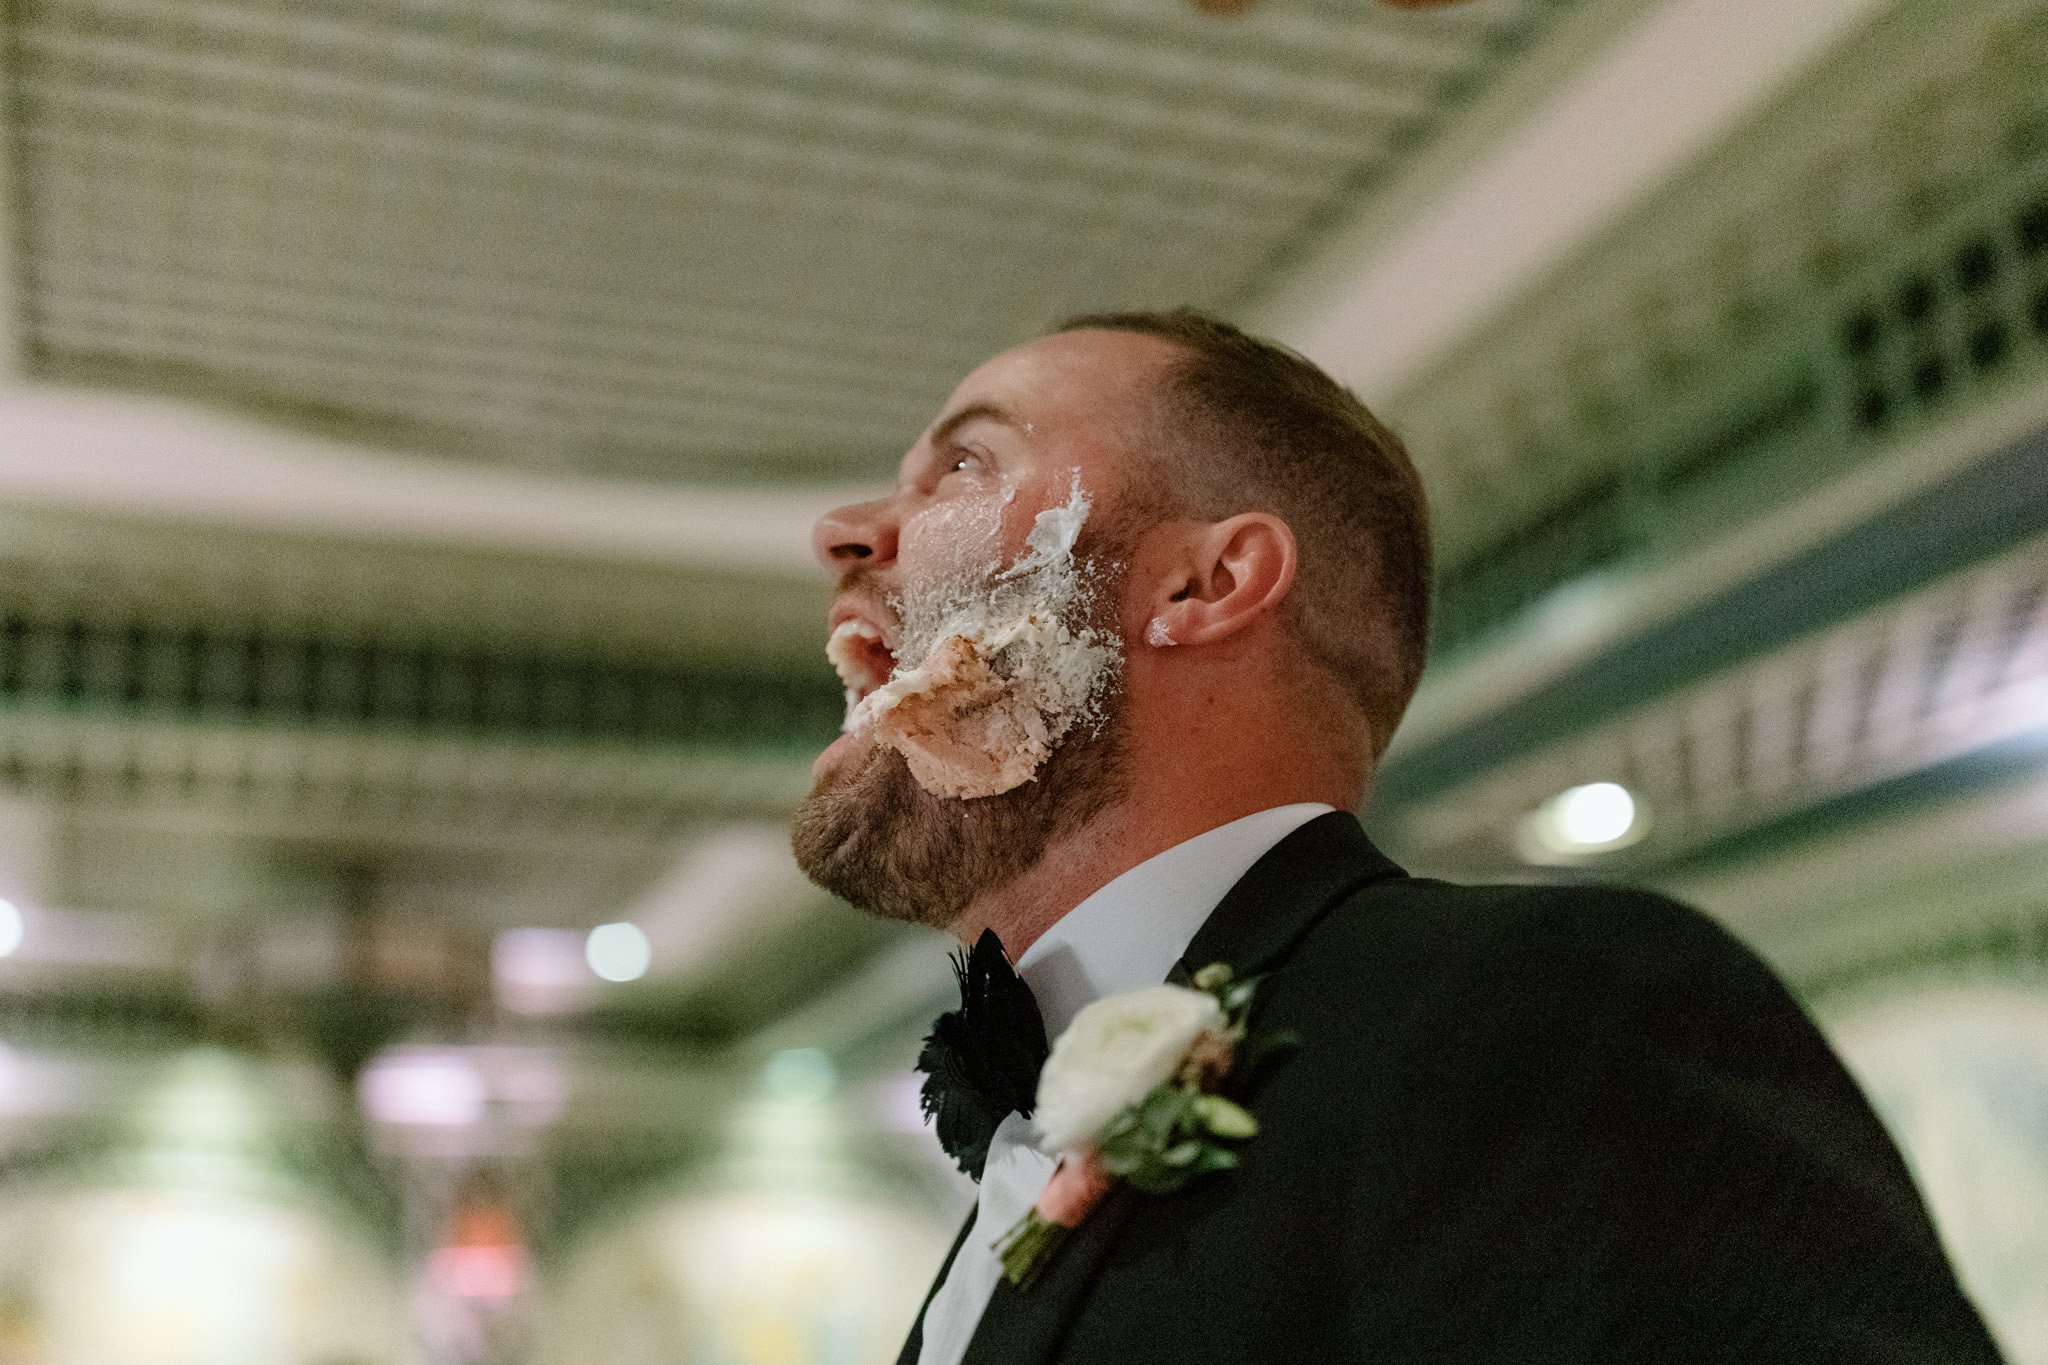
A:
(1229, 575)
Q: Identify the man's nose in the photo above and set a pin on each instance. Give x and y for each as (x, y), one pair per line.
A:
(860, 535)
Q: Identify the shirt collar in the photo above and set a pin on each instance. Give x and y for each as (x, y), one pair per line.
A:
(1130, 933)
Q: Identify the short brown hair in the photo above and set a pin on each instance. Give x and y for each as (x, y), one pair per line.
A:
(1247, 424)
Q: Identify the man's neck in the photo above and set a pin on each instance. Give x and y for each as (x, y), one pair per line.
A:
(1214, 756)
(1068, 872)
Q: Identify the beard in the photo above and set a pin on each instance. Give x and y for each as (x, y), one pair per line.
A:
(872, 836)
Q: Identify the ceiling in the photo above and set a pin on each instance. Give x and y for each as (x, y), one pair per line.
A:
(722, 240)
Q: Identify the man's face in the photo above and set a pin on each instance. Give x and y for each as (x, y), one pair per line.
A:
(1012, 441)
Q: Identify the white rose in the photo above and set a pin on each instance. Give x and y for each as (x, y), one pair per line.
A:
(1112, 1055)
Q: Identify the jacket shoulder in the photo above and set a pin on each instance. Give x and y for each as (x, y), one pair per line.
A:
(1577, 1123)
(1481, 982)
(1418, 934)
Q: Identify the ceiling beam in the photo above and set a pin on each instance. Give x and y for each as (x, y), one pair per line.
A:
(1571, 640)
(168, 460)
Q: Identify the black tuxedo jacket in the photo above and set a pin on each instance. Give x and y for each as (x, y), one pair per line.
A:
(1524, 1125)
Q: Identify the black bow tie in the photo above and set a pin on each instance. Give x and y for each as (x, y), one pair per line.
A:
(981, 1061)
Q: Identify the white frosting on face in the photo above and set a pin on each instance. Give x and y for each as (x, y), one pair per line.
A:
(1049, 548)
(1005, 665)
(971, 527)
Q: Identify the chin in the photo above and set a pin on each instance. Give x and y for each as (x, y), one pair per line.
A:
(869, 834)
(871, 837)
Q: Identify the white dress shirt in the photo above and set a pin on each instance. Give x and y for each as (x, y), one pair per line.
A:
(1126, 936)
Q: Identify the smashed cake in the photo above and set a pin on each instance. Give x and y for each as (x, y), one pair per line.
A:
(965, 730)
(1003, 681)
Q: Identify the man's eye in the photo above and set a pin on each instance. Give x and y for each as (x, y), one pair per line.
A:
(966, 461)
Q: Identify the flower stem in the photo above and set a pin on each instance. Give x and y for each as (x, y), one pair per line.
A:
(1028, 1246)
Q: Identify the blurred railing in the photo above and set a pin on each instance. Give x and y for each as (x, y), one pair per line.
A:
(1868, 256)
(257, 674)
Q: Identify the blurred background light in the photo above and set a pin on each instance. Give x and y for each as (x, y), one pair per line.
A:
(489, 1271)
(1580, 822)
(210, 1119)
(1596, 815)
(618, 952)
(127, 1275)
(736, 878)
(795, 1242)
(482, 1255)
(10, 928)
(206, 1220)
(427, 1088)
(745, 1275)
(800, 1073)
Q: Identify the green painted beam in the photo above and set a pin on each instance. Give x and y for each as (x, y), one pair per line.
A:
(256, 674)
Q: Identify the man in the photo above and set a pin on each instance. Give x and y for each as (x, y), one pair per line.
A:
(1520, 1124)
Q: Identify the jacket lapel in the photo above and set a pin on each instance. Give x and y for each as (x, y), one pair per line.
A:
(1254, 926)
(913, 1345)
(1025, 1326)
(1286, 892)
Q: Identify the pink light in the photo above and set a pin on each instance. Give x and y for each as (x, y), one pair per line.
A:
(477, 1272)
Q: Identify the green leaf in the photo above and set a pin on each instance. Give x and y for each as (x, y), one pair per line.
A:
(1182, 1153)
(1238, 996)
(1123, 1162)
(1214, 1158)
(1165, 1109)
(1223, 1118)
(1213, 978)
(1159, 1179)
(1123, 1125)
(1126, 1140)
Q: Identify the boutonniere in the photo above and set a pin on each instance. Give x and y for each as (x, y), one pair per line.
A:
(1130, 1093)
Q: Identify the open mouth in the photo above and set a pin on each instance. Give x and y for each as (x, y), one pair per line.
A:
(860, 654)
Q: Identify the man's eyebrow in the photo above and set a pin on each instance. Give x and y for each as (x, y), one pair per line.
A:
(973, 412)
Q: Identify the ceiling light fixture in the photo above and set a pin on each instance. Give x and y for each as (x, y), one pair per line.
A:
(1595, 815)
(618, 952)
(1580, 822)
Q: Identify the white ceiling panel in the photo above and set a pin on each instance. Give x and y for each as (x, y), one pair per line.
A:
(696, 240)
